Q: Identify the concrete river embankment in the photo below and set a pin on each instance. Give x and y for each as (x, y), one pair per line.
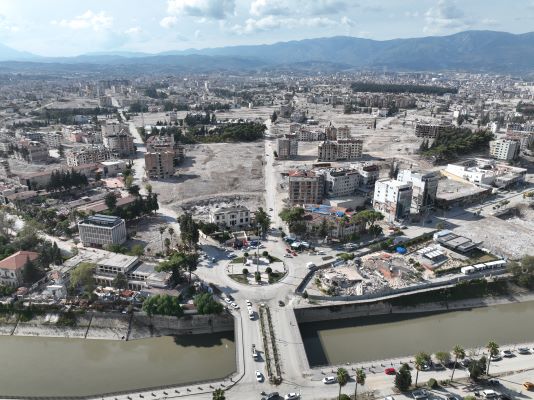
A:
(69, 362)
(360, 333)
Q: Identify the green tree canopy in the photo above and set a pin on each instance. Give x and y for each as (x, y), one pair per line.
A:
(82, 275)
(403, 378)
(205, 304)
(163, 304)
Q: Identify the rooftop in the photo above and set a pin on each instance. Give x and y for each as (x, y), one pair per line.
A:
(18, 260)
(102, 220)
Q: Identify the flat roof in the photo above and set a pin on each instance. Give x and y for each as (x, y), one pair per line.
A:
(101, 219)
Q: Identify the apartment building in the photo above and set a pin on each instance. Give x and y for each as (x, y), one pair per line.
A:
(287, 148)
(116, 137)
(429, 131)
(88, 155)
(350, 149)
(11, 267)
(231, 217)
(99, 230)
(307, 135)
(424, 189)
(343, 133)
(369, 173)
(159, 165)
(341, 182)
(31, 151)
(393, 198)
(52, 139)
(305, 187)
(158, 144)
(504, 149)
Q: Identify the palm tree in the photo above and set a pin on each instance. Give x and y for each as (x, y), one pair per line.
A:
(218, 394)
(171, 233)
(421, 359)
(459, 353)
(493, 350)
(161, 232)
(342, 379)
(360, 379)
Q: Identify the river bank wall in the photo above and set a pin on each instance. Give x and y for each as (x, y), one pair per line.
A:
(115, 326)
(372, 308)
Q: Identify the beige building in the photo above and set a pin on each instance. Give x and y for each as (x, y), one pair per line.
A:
(305, 187)
(504, 149)
(349, 149)
(31, 151)
(11, 267)
(231, 217)
(157, 144)
(287, 148)
(116, 137)
(159, 165)
(88, 155)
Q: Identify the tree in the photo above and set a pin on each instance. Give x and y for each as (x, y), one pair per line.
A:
(263, 219)
(111, 201)
(188, 230)
(82, 275)
(257, 276)
(128, 184)
(421, 359)
(523, 272)
(360, 380)
(171, 234)
(167, 243)
(163, 304)
(443, 357)
(177, 262)
(161, 232)
(137, 250)
(274, 117)
(459, 354)
(477, 367)
(268, 270)
(205, 304)
(342, 379)
(134, 190)
(218, 394)
(403, 378)
(120, 281)
(493, 350)
(29, 272)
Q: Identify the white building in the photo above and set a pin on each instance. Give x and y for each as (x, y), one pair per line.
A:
(503, 149)
(88, 155)
(230, 217)
(287, 148)
(99, 230)
(343, 182)
(424, 188)
(393, 198)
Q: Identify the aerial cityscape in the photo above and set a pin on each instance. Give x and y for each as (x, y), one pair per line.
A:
(266, 199)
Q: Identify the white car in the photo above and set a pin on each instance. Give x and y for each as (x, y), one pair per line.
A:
(227, 300)
(389, 398)
(235, 306)
(291, 396)
(329, 379)
(259, 376)
(321, 253)
(249, 304)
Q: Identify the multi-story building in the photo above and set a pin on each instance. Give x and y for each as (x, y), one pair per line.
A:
(429, 130)
(99, 230)
(230, 217)
(343, 133)
(485, 173)
(350, 149)
(52, 139)
(88, 155)
(307, 135)
(158, 144)
(287, 148)
(504, 149)
(424, 189)
(305, 187)
(31, 151)
(330, 132)
(116, 137)
(342, 182)
(159, 165)
(11, 267)
(393, 198)
(369, 173)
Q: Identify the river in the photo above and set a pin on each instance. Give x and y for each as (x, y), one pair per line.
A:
(396, 335)
(38, 366)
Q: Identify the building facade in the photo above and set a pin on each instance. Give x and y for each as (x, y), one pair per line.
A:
(159, 165)
(341, 182)
(11, 267)
(503, 149)
(88, 155)
(99, 230)
(231, 217)
(393, 198)
(424, 189)
(287, 148)
(305, 187)
(429, 131)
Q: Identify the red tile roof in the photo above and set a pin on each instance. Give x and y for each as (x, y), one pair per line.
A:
(18, 260)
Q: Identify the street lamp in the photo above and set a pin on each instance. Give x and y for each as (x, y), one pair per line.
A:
(257, 248)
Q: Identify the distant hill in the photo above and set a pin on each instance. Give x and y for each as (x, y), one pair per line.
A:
(473, 51)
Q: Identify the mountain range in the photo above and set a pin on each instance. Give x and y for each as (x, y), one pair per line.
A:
(472, 51)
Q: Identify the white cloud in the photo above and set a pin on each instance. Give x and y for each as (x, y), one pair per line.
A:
(133, 31)
(445, 16)
(271, 22)
(268, 7)
(168, 21)
(6, 26)
(213, 9)
(88, 20)
(346, 21)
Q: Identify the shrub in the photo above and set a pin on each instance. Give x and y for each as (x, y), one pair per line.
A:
(265, 253)
(432, 383)
(245, 271)
(257, 276)
(305, 294)
(269, 270)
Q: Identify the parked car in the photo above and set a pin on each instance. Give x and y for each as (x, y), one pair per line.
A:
(389, 398)
(291, 396)
(390, 371)
(281, 303)
(235, 306)
(523, 350)
(420, 394)
(496, 358)
(259, 376)
(528, 385)
(439, 366)
(329, 379)
(493, 382)
(248, 303)
(507, 353)
(271, 396)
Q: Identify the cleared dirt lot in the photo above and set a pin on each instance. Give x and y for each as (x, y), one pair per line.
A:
(216, 173)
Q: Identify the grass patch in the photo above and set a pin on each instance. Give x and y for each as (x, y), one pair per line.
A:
(239, 278)
(276, 276)
(238, 260)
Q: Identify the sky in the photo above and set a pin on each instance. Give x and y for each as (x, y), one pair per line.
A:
(73, 27)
